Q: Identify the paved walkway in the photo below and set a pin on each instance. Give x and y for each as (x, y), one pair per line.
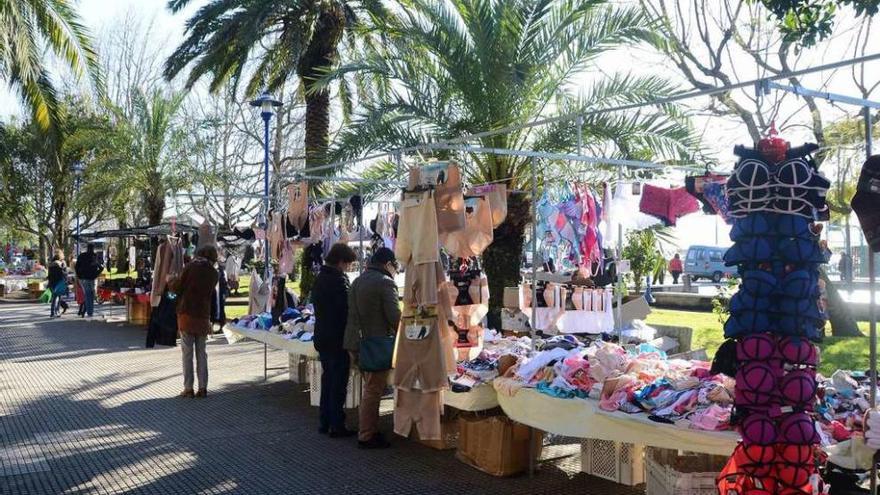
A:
(84, 408)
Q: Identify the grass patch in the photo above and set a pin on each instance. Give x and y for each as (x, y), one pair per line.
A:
(849, 353)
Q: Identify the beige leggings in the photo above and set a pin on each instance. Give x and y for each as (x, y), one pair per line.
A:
(419, 363)
(417, 237)
(418, 408)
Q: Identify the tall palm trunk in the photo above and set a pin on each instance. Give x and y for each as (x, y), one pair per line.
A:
(503, 258)
(319, 55)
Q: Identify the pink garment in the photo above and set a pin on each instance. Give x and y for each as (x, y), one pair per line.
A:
(667, 204)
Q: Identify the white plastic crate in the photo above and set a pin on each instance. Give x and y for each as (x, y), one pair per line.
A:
(355, 388)
(619, 462)
(664, 480)
(298, 368)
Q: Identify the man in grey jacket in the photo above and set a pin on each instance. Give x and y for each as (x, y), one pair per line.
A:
(373, 311)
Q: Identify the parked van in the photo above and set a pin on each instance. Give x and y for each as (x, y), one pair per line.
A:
(706, 262)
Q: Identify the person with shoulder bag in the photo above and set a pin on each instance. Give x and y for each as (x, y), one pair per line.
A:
(373, 317)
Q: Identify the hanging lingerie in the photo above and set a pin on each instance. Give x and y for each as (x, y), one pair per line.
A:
(667, 204)
(477, 234)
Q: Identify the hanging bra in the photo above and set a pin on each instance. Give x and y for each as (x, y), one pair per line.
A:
(792, 187)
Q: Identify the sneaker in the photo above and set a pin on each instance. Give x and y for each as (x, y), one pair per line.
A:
(187, 394)
(342, 433)
(202, 393)
(377, 442)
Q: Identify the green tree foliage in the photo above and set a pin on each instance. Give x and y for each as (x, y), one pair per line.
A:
(450, 68)
(808, 21)
(27, 29)
(286, 37)
(37, 186)
(643, 252)
(142, 157)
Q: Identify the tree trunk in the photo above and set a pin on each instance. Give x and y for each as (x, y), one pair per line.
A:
(306, 278)
(503, 258)
(839, 316)
(121, 250)
(319, 55)
(155, 208)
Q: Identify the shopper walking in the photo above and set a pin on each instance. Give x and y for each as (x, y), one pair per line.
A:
(194, 289)
(675, 268)
(373, 311)
(88, 268)
(330, 299)
(57, 281)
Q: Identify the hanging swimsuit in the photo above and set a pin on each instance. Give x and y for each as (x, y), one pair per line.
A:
(298, 204)
(477, 234)
(591, 252)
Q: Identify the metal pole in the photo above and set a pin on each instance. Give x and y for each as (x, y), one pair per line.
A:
(266, 116)
(872, 315)
(361, 232)
(534, 167)
(78, 179)
(619, 255)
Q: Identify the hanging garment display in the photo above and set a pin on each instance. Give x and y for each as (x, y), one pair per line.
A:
(667, 204)
(448, 196)
(477, 233)
(207, 235)
(866, 202)
(497, 196)
(298, 204)
(774, 194)
(417, 237)
(258, 294)
(233, 268)
(169, 263)
(418, 354)
(415, 408)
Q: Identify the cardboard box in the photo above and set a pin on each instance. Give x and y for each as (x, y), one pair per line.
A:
(511, 297)
(449, 434)
(496, 445)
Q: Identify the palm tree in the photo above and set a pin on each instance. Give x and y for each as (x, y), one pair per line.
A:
(26, 27)
(454, 67)
(287, 37)
(140, 157)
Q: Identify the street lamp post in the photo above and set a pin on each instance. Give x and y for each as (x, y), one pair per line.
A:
(267, 105)
(77, 171)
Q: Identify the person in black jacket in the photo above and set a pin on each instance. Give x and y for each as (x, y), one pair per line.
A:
(57, 281)
(330, 300)
(88, 268)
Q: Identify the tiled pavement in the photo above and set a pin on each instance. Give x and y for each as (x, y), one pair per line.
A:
(84, 408)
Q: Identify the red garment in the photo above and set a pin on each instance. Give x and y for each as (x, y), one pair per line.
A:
(675, 265)
(667, 204)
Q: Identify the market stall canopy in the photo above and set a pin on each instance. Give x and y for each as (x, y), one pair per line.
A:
(146, 231)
